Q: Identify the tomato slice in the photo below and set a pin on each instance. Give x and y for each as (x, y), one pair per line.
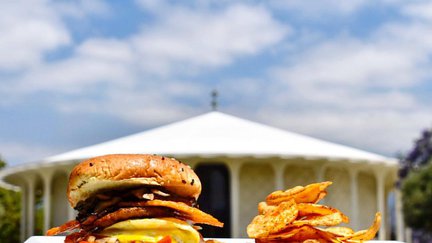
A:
(166, 239)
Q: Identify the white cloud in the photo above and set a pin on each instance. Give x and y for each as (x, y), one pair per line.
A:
(189, 40)
(186, 40)
(348, 73)
(106, 49)
(418, 9)
(15, 153)
(183, 43)
(318, 9)
(82, 8)
(154, 6)
(94, 62)
(28, 31)
(356, 91)
(75, 76)
(349, 62)
(152, 109)
(386, 132)
(152, 105)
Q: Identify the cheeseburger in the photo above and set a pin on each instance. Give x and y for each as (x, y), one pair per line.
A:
(134, 198)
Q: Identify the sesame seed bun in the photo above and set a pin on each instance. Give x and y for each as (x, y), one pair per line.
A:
(129, 170)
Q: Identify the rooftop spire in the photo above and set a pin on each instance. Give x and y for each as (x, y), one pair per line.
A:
(214, 102)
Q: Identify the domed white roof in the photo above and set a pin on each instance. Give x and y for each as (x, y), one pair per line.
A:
(219, 134)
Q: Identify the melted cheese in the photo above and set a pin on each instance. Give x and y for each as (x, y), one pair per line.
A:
(152, 230)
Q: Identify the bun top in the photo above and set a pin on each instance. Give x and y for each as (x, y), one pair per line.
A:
(129, 170)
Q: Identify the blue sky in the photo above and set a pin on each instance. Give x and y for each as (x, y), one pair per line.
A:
(76, 73)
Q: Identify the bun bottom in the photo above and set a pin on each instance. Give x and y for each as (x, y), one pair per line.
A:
(152, 230)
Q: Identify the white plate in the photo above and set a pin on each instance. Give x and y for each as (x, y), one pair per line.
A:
(60, 239)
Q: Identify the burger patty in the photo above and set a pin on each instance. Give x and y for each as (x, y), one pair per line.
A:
(108, 201)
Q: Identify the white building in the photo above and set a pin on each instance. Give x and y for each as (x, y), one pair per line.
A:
(239, 163)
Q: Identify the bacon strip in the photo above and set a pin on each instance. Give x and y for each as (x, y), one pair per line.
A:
(186, 211)
(139, 209)
(68, 226)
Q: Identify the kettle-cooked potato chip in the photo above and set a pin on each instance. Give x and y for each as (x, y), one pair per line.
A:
(368, 234)
(321, 220)
(294, 216)
(309, 194)
(263, 208)
(340, 231)
(307, 209)
(273, 221)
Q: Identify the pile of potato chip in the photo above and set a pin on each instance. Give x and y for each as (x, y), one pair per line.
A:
(294, 216)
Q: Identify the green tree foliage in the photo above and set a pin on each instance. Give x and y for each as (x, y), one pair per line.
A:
(419, 155)
(417, 198)
(10, 202)
(415, 180)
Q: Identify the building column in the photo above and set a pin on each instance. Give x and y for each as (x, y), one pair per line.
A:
(399, 215)
(354, 198)
(381, 204)
(319, 175)
(70, 211)
(31, 184)
(235, 192)
(408, 235)
(279, 169)
(319, 172)
(47, 179)
(23, 219)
